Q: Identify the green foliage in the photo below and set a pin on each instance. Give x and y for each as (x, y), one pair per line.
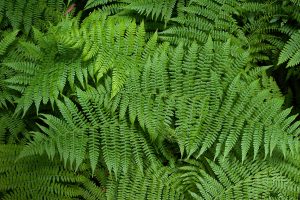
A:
(39, 178)
(291, 51)
(94, 3)
(23, 14)
(199, 19)
(41, 70)
(232, 180)
(6, 94)
(147, 99)
(156, 183)
(12, 128)
(155, 9)
(91, 130)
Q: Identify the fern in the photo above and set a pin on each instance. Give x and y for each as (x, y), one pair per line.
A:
(6, 94)
(156, 183)
(12, 128)
(94, 3)
(147, 100)
(199, 19)
(201, 109)
(7, 41)
(291, 52)
(154, 9)
(91, 130)
(25, 14)
(41, 73)
(269, 29)
(116, 52)
(263, 125)
(232, 180)
(38, 177)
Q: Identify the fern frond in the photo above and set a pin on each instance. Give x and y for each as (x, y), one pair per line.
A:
(291, 51)
(127, 106)
(69, 136)
(232, 180)
(7, 95)
(7, 40)
(11, 128)
(6, 44)
(161, 184)
(153, 8)
(43, 71)
(37, 177)
(94, 3)
(118, 48)
(70, 143)
(23, 14)
(238, 112)
(199, 19)
(2, 10)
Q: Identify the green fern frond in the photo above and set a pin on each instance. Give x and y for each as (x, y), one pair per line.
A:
(161, 184)
(70, 143)
(232, 180)
(95, 3)
(7, 95)
(153, 8)
(2, 10)
(291, 51)
(258, 7)
(118, 49)
(127, 107)
(264, 37)
(237, 108)
(23, 14)
(42, 70)
(296, 2)
(107, 136)
(37, 177)
(6, 44)
(11, 128)
(7, 40)
(199, 19)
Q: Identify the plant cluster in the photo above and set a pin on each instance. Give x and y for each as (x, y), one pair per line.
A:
(148, 99)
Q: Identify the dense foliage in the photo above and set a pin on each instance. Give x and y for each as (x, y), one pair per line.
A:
(149, 99)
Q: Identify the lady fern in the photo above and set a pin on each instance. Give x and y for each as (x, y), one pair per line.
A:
(37, 177)
(291, 52)
(91, 132)
(154, 9)
(23, 14)
(146, 99)
(254, 180)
